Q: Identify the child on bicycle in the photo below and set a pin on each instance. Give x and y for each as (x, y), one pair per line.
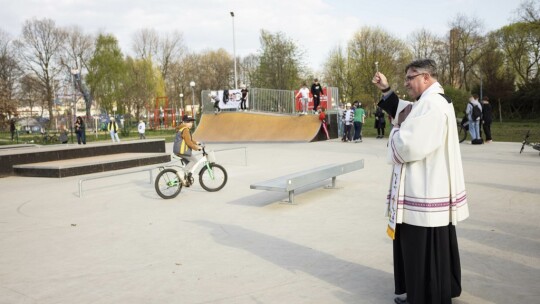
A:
(184, 143)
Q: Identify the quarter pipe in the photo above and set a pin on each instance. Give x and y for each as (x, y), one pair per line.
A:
(256, 127)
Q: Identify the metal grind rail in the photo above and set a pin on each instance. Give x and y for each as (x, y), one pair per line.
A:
(151, 175)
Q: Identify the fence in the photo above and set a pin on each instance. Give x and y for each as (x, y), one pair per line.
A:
(272, 101)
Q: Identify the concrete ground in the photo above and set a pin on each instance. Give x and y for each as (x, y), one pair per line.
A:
(122, 243)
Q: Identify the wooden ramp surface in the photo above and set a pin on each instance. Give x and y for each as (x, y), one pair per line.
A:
(257, 127)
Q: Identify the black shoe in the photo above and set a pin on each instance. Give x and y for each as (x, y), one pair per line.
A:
(400, 301)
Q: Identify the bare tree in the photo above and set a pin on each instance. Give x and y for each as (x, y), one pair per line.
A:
(424, 44)
(170, 49)
(40, 48)
(78, 51)
(466, 44)
(337, 74)
(31, 92)
(248, 67)
(9, 74)
(529, 11)
(145, 43)
(370, 45)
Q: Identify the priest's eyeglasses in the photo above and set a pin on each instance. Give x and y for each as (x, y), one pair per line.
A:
(411, 77)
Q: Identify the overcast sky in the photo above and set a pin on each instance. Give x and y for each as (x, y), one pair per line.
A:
(317, 26)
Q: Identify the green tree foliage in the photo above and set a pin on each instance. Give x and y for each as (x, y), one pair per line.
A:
(140, 85)
(497, 78)
(525, 102)
(354, 68)
(217, 70)
(521, 45)
(9, 72)
(107, 73)
(459, 98)
(279, 63)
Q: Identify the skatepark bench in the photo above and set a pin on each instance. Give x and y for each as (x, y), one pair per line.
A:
(289, 183)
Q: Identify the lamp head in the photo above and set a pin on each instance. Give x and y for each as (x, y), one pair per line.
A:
(232, 14)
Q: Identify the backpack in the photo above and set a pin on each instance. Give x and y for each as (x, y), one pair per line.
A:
(476, 112)
(180, 147)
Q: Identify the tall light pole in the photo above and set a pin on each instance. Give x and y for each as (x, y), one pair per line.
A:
(74, 73)
(181, 104)
(192, 85)
(481, 97)
(234, 51)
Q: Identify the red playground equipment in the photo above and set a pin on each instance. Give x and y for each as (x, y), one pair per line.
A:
(164, 115)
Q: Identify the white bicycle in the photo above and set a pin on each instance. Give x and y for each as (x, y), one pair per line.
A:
(212, 176)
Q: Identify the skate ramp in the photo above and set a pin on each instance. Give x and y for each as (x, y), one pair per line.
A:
(256, 127)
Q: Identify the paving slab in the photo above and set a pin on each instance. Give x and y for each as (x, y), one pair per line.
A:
(122, 243)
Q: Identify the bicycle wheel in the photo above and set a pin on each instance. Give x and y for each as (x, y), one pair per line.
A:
(168, 183)
(214, 179)
(525, 141)
(462, 132)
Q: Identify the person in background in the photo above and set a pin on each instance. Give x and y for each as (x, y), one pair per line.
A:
(487, 118)
(316, 91)
(359, 118)
(340, 123)
(113, 129)
(63, 137)
(304, 93)
(474, 120)
(380, 122)
(80, 130)
(348, 116)
(215, 100)
(141, 128)
(244, 98)
(423, 147)
(12, 128)
(322, 118)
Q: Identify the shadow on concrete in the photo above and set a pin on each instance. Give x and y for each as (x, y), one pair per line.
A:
(359, 284)
(514, 251)
(507, 187)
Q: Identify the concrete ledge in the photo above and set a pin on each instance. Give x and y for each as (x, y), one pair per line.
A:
(39, 154)
(80, 166)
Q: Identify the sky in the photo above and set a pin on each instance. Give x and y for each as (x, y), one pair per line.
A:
(316, 26)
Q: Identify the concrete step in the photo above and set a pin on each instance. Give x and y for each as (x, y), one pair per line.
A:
(87, 165)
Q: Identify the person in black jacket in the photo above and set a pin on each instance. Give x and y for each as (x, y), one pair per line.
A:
(80, 130)
(12, 128)
(316, 91)
(487, 118)
(380, 122)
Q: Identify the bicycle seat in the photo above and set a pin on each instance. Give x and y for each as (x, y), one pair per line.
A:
(178, 158)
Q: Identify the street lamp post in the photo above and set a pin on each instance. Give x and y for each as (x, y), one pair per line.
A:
(234, 51)
(192, 85)
(74, 73)
(181, 105)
